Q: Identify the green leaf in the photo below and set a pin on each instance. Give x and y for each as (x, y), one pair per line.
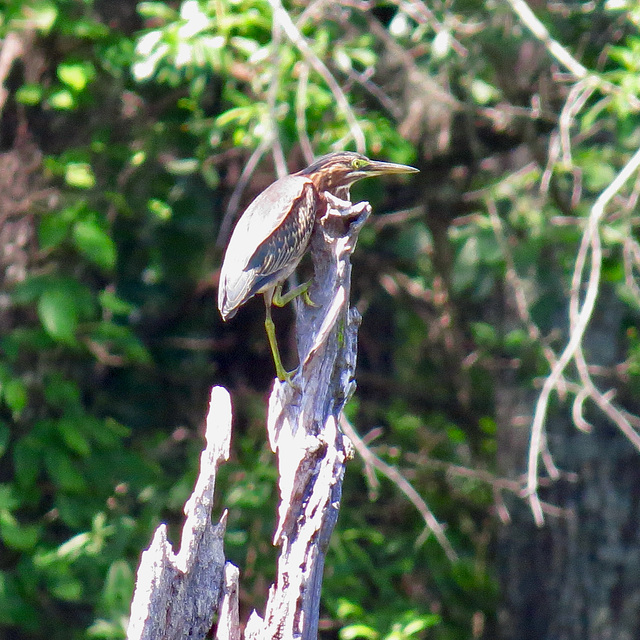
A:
(53, 230)
(66, 588)
(238, 115)
(76, 75)
(80, 175)
(159, 208)
(183, 166)
(354, 631)
(30, 289)
(156, 10)
(26, 462)
(13, 609)
(118, 588)
(62, 100)
(95, 243)
(111, 302)
(485, 335)
(72, 432)
(8, 499)
(422, 622)
(465, 269)
(15, 395)
(5, 434)
(58, 312)
(40, 15)
(106, 630)
(17, 536)
(62, 469)
(120, 340)
(29, 94)
(61, 393)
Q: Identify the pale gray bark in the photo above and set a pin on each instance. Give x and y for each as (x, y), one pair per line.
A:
(303, 430)
(177, 595)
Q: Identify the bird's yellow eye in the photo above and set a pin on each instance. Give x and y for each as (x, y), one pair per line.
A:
(358, 163)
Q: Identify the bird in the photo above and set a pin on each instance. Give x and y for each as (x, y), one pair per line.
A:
(274, 232)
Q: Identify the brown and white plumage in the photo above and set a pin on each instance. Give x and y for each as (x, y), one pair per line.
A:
(277, 234)
(274, 232)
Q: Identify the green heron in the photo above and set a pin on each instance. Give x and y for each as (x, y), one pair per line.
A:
(274, 232)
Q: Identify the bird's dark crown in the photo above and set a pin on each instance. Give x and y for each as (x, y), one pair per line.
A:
(336, 168)
(343, 168)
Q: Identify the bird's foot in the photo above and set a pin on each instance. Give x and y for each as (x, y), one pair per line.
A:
(307, 298)
(287, 376)
(279, 300)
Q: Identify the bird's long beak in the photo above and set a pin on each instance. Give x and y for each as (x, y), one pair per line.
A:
(376, 168)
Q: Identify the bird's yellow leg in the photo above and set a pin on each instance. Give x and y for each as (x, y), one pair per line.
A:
(301, 290)
(281, 372)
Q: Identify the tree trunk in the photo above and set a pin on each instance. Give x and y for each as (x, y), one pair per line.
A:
(577, 577)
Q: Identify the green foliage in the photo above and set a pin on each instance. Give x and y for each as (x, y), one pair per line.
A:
(112, 339)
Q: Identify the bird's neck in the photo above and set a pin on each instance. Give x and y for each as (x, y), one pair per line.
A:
(339, 191)
(329, 183)
(343, 193)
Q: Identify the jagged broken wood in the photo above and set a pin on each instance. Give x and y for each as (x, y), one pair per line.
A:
(177, 595)
(303, 429)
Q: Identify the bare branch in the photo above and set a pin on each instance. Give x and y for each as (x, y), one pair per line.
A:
(229, 618)
(590, 239)
(403, 484)
(303, 430)
(12, 49)
(301, 112)
(281, 16)
(177, 595)
(272, 96)
(553, 47)
(562, 55)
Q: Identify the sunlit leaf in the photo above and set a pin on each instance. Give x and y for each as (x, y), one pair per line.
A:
(79, 174)
(58, 312)
(62, 100)
(29, 94)
(17, 536)
(40, 15)
(355, 631)
(95, 243)
(76, 75)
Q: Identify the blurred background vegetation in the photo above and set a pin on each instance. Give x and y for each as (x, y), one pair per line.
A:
(132, 133)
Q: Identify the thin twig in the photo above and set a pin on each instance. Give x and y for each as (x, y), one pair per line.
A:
(402, 483)
(301, 112)
(272, 95)
(589, 238)
(280, 15)
(241, 185)
(562, 55)
(422, 14)
(518, 290)
(553, 47)
(602, 400)
(364, 80)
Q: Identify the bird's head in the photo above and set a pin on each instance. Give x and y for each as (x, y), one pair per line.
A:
(343, 168)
